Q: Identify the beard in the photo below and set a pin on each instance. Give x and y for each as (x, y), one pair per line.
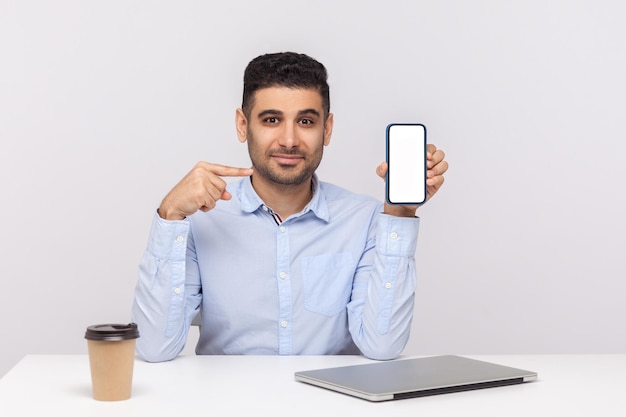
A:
(285, 175)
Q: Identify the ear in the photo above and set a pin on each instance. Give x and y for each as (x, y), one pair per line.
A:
(328, 128)
(241, 124)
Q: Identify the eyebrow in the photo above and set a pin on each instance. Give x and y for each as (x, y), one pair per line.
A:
(273, 112)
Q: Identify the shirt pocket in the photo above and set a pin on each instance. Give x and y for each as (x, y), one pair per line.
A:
(327, 282)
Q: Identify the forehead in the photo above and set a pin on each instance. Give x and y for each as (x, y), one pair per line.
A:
(287, 99)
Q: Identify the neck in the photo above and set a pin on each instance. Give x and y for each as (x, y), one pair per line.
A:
(283, 199)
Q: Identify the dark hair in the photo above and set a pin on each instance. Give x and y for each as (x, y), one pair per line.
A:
(287, 69)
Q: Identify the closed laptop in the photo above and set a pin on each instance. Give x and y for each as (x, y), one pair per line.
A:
(416, 377)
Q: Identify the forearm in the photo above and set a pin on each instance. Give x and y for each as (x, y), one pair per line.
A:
(164, 301)
(381, 309)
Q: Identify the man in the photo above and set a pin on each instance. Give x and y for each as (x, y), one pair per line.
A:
(279, 262)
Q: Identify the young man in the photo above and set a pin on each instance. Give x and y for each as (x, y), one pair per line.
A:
(279, 262)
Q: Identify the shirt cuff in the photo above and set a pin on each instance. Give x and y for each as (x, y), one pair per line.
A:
(397, 236)
(168, 238)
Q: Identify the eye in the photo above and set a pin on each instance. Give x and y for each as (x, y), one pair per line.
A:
(271, 120)
(306, 122)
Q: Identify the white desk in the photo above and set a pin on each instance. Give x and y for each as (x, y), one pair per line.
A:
(59, 385)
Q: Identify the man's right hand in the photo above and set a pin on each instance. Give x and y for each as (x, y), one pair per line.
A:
(200, 189)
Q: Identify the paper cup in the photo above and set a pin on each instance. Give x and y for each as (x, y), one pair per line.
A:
(111, 359)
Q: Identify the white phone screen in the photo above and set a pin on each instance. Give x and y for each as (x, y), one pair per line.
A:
(406, 158)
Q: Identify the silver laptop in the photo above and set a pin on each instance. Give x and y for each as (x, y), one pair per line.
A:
(418, 377)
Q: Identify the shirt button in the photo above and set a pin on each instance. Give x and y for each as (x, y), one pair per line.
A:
(283, 275)
(176, 291)
(180, 239)
(283, 229)
(388, 285)
(283, 324)
(393, 235)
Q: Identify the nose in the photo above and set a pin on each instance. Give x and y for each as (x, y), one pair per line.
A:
(289, 136)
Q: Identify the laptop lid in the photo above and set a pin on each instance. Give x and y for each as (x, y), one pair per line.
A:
(417, 377)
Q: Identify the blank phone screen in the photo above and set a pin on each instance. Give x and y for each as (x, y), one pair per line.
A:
(406, 157)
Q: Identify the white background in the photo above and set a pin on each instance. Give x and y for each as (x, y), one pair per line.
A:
(105, 105)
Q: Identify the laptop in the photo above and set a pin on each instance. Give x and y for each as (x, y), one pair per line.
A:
(417, 377)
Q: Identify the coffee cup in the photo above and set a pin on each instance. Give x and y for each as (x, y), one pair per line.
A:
(111, 359)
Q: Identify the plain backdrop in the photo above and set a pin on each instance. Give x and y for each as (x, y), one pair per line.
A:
(105, 105)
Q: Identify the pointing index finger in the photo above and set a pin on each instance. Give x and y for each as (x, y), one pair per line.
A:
(228, 171)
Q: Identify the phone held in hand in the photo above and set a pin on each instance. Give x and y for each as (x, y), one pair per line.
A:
(406, 159)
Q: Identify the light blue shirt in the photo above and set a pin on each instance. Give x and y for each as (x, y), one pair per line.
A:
(337, 278)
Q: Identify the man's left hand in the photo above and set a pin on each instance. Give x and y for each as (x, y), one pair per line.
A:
(436, 166)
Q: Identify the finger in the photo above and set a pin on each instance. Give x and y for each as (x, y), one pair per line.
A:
(435, 182)
(430, 151)
(435, 158)
(438, 170)
(229, 171)
(215, 187)
(438, 156)
(226, 195)
(381, 170)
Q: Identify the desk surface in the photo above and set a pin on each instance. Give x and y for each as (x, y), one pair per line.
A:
(50, 385)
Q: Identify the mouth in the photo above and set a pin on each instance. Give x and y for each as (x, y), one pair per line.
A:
(284, 159)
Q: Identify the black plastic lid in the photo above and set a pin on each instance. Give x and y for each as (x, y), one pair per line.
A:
(112, 332)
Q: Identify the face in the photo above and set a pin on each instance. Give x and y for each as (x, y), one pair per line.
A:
(286, 134)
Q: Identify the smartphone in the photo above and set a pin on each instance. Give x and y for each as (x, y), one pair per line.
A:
(406, 159)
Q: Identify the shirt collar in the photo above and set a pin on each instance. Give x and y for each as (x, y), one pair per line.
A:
(250, 200)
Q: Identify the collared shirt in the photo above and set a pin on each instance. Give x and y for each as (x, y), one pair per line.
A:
(336, 278)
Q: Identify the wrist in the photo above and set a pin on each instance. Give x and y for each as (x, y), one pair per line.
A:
(400, 211)
(168, 215)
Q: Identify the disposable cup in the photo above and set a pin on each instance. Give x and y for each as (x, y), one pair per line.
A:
(111, 359)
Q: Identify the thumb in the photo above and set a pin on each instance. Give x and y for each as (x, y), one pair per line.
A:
(226, 195)
(381, 170)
